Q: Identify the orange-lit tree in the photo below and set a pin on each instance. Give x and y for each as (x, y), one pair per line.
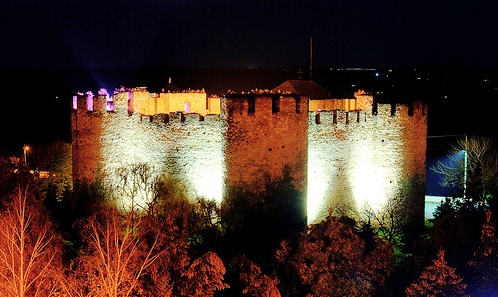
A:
(130, 254)
(113, 256)
(483, 280)
(331, 259)
(253, 281)
(174, 272)
(30, 249)
(204, 277)
(438, 279)
(161, 230)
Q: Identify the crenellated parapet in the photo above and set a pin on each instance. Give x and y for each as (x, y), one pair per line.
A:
(412, 110)
(148, 104)
(263, 103)
(189, 101)
(361, 101)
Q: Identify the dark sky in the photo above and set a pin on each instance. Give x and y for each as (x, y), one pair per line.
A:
(38, 38)
(246, 33)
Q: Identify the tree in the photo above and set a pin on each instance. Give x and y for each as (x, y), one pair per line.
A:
(129, 254)
(391, 221)
(257, 216)
(330, 259)
(458, 220)
(134, 186)
(204, 227)
(174, 272)
(456, 230)
(162, 229)
(438, 279)
(9, 167)
(113, 256)
(30, 250)
(254, 282)
(54, 159)
(204, 276)
(484, 263)
(476, 173)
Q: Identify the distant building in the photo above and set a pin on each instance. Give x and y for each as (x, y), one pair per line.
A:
(306, 88)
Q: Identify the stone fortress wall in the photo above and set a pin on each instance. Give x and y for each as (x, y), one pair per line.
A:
(363, 157)
(337, 151)
(185, 146)
(266, 137)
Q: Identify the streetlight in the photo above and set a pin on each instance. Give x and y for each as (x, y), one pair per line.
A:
(465, 158)
(25, 149)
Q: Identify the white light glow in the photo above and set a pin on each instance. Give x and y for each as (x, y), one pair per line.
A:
(181, 151)
(207, 182)
(368, 180)
(361, 171)
(373, 180)
(317, 186)
(139, 202)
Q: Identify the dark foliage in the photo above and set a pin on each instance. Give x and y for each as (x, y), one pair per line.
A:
(255, 222)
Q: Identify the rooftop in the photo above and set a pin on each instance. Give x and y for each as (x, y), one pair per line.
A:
(304, 87)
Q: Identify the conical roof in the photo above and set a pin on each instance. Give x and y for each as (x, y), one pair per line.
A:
(304, 88)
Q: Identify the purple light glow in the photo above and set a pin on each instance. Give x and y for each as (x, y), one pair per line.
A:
(89, 101)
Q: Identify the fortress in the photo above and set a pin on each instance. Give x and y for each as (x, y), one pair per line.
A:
(351, 151)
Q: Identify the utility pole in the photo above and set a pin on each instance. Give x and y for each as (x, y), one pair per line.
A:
(25, 149)
(465, 167)
(311, 57)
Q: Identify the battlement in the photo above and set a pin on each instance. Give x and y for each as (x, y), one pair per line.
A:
(345, 116)
(178, 117)
(361, 101)
(148, 104)
(263, 103)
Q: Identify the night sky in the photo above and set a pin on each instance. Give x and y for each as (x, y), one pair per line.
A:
(246, 33)
(51, 49)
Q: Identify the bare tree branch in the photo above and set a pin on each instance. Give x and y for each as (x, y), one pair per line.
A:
(478, 167)
(29, 251)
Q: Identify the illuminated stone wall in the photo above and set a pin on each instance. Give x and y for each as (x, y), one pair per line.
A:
(361, 158)
(358, 156)
(86, 127)
(264, 135)
(186, 147)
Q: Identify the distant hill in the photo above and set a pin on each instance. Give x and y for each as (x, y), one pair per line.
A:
(36, 103)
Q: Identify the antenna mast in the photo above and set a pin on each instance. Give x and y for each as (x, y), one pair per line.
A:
(311, 57)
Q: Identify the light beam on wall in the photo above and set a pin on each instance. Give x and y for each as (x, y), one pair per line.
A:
(183, 151)
(207, 181)
(373, 179)
(317, 185)
(368, 180)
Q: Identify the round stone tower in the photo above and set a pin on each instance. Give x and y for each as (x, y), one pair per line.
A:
(266, 140)
(86, 132)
